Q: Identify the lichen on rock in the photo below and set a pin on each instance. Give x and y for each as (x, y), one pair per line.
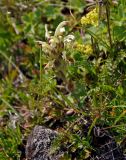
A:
(39, 144)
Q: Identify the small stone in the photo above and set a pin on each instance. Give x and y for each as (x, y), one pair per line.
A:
(39, 144)
(70, 112)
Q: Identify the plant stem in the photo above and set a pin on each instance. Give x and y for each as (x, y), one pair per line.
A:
(11, 107)
(108, 22)
(92, 125)
(12, 63)
(40, 64)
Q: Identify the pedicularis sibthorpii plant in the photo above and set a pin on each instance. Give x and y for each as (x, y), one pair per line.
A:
(90, 62)
(75, 77)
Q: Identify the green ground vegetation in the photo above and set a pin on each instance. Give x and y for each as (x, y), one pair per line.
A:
(60, 62)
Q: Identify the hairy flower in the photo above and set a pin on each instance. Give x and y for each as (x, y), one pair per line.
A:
(69, 38)
(91, 18)
(60, 28)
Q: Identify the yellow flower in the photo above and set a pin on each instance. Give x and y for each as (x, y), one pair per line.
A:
(84, 48)
(91, 18)
(88, 49)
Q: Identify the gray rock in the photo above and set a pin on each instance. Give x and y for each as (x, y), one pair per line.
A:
(39, 143)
